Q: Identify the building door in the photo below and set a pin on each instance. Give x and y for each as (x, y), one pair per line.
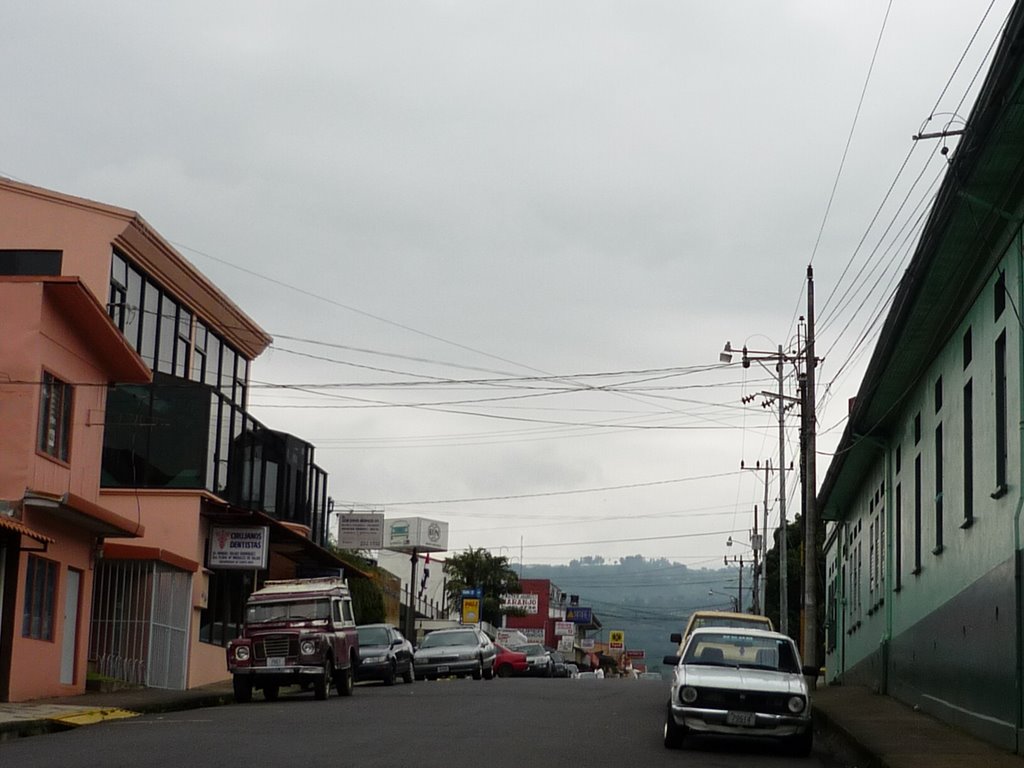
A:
(69, 642)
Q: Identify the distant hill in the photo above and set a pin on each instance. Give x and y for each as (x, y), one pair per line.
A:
(646, 599)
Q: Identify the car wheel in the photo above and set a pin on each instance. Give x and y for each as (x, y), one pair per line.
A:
(801, 744)
(505, 670)
(242, 687)
(407, 677)
(346, 680)
(322, 685)
(674, 733)
(478, 671)
(550, 671)
(389, 675)
(489, 673)
(271, 692)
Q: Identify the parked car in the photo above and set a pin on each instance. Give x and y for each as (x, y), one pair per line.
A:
(558, 668)
(460, 652)
(703, 618)
(296, 632)
(509, 662)
(384, 654)
(538, 660)
(739, 682)
(572, 670)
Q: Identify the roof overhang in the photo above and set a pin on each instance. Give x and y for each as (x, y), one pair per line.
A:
(974, 218)
(122, 551)
(8, 523)
(85, 313)
(84, 514)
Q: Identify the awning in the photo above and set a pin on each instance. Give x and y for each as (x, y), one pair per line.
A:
(10, 524)
(284, 540)
(84, 514)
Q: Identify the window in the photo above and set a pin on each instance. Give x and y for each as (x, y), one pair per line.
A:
(899, 458)
(30, 262)
(968, 348)
(40, 592)
(917, 429)
(917, 514)
(938, 490)
(898, 542)
(938, 394)
(54, 417)
(999, 295)
(968, 439)
(1001, 430)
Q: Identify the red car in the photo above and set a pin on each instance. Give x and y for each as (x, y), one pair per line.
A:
(509, 662)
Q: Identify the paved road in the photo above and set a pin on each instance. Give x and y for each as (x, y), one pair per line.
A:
(492, 724)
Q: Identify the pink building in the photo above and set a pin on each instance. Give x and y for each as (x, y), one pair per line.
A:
(129, 462)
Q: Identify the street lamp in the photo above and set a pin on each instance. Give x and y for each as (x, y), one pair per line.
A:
(732, 598)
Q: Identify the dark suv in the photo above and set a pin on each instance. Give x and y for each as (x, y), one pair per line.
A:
(296, 632)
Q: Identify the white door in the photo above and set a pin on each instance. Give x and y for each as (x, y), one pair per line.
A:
(70, 639)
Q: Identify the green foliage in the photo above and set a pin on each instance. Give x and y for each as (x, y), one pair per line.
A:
(478, 568)
(367, 601)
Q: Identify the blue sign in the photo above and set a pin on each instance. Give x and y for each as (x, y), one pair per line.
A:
(477, 592)
(579, 615)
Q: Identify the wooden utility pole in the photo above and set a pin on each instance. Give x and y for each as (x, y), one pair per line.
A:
(810, 628)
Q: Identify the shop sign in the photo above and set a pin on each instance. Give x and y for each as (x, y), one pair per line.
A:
(241, 548)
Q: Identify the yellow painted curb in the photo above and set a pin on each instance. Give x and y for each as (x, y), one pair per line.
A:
(92, 716)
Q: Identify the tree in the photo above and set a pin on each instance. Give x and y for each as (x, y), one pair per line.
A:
(478, 568)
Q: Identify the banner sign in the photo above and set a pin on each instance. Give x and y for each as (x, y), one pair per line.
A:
(470, 610)
(565, 644)
(587, 643)
(616, 640)
(635, 653)
(563, 628)
(528, 603)
(361, 531)
(242, 548)
(578, 615)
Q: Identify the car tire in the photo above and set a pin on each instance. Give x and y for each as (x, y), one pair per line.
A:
(478, 671)
(505, 670)
(271, 692)
(674, 733)
(550, 671)
(242, 687)
(322, 685)
(345, 680)
(389, 675)
(801, 744)
(489, 673)
(408, 675)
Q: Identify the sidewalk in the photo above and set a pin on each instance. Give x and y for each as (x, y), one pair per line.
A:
(877, 731)
(881, 732)
(50, 715)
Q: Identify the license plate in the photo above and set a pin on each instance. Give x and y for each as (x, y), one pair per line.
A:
(746, 719)
(442, 668)
(275, 661)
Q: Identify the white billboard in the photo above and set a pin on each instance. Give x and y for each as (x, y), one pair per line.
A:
(245, 547)
(415, 534)
(563, 628)
(360, 530)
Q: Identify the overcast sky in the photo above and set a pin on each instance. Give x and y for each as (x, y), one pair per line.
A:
(500, 245)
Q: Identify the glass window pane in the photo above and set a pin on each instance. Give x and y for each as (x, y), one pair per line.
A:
(133, 308)
(168, 334)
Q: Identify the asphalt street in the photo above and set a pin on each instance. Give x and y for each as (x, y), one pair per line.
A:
(498, 724)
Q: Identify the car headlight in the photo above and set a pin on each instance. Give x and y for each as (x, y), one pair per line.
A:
(241, 652)
(308, 647)
(796, 704)
(374, 659)
(688, 694)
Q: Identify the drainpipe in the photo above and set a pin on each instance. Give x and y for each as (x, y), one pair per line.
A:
(1019, 671)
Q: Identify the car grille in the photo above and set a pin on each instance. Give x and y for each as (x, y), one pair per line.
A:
(280, 645)
(742, 701)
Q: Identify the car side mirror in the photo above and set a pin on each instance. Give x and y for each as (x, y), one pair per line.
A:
(676, 637)
(809, 671)
(670, 660)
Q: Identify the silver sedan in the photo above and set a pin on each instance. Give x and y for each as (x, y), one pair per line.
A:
(460, 652)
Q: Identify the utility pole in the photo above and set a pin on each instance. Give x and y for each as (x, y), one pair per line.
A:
(739, 591)
(808, 414)
(783, 537)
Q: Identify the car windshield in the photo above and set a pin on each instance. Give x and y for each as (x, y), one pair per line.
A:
(735, 622)
(443, 639)
(288, 610)
(741, 650)
(372, 635)
(531, 649)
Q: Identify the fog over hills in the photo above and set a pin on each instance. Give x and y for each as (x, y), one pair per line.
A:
(647, 599)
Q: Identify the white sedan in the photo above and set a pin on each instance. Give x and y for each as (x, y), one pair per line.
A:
(740, 682)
